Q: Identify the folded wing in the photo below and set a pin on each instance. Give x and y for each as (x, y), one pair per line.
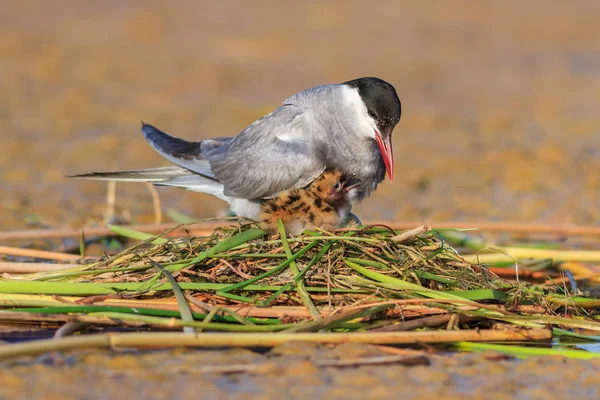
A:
(270, 156)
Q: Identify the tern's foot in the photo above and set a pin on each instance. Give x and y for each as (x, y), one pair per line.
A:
(351, 220)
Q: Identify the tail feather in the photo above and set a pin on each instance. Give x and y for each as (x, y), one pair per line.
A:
(187, 154)
(140, 175)
(197, 183)
(193, 171)
(165, 176)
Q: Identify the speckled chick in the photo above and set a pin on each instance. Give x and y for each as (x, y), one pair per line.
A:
(325, 203)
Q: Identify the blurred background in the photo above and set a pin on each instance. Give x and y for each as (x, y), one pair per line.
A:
(500, 99)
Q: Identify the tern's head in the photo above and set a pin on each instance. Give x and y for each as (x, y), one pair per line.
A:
(336, 189)
(379, 110)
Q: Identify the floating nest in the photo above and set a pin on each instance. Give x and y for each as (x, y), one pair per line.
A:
(337, 267)
(242, 279)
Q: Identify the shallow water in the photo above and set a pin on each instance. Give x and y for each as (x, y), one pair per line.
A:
(293, 371)
(499, 99)
(500, 122)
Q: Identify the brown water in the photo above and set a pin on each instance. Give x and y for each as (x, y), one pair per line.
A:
(295, 371)
(501, 121)
(500, 99)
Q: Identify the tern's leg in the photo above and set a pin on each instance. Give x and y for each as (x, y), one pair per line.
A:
(351, 220)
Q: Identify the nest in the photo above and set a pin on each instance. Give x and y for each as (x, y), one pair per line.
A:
(329, 263)
(369, 280)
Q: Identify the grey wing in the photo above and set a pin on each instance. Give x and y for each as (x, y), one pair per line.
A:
(270, 156)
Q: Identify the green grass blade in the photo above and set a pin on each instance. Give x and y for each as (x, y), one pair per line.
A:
(57, 288)
(433, 277)
(82, 245)
(234, 241)
(565, 333)
(284, 288)
(369, 263)
(420, 274)
(521, 351)
(150, 282)
(184, 308)
(399, 284)
(93, 289)
(179, 217)
(133, 234)
(480, 294)
(238, 318)
(72, 309)
(172, 322)
(460, 239)
(236, 297)
(300, 283)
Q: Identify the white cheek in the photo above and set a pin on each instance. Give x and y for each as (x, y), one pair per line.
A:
(370, 127)
(365, 126)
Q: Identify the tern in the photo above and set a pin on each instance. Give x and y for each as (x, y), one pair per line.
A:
(346, 127)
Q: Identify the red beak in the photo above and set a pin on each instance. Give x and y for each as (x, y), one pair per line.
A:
(385, 147)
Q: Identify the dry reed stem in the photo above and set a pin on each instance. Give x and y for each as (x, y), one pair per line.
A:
(509, 273)
(30, 234)
(578, 278)
(590, 272)
(427, 322)
(211, 340)
(410, 307)
(31, 268)
(207, 228)
(409, 234)
(26, 317)
(111, 201)
(155, 203)
(299, 312)
(503, 254)
(46, 255)
(256, 312)
(468, 304)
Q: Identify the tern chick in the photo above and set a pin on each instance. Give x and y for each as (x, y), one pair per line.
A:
(324, 203)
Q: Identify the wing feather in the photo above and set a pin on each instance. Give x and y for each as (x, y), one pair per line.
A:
(268, 157)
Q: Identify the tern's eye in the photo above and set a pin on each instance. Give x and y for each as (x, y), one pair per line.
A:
(337, 186)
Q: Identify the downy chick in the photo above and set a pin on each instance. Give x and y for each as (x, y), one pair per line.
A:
(324, 203)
